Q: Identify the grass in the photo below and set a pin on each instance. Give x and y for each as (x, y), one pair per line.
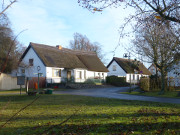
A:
(93, 116)
(14, 91)
(168, 94)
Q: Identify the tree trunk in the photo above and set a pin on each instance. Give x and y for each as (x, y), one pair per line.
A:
(162, 82)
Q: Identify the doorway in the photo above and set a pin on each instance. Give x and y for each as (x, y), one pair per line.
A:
(68, 75)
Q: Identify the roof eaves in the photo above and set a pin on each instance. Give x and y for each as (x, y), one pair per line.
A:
(120, 65)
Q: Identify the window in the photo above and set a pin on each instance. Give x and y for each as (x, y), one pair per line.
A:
(79, 75)
(56, 72)
(31, 62)
(133, 77)
(84, 74)
(138, 77)
(22, 71)
(114, 67)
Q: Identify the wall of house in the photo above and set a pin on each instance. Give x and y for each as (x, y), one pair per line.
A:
(85, 74)
(31, 71)
(75, 75)
(174, 74)
(51, 79)
(134, 78)
(119, 71)
(78, 77)
(152, 69)
(96, 75)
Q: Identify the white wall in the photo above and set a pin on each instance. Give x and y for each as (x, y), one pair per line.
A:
(152, 69)
(175, 74)
(119, 71)
(30, 71)
(7, 82)
(93, 74)
(135, 80)
(85, 74)
(49, 75)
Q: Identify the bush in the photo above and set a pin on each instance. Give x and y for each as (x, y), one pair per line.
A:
(145, 84)
(94, 81)
(89, 81)
(116, 81)
(153, 84)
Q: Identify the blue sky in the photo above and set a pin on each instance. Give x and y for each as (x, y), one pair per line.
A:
(55, 22)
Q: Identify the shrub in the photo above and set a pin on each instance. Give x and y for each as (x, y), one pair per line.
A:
(116, 81)
(94, 81)
(145, 84)
(89, 81)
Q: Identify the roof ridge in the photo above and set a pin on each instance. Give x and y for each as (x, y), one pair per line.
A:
(123, 58)
(66, 50)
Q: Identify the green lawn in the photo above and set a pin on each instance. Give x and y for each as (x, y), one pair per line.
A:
(14, 91)
(93, 116)
(170, 94)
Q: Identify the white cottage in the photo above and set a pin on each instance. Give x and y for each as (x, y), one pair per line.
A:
(131, 69)
(173, 74)
(58, 64)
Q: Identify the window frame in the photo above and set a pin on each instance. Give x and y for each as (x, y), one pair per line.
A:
(79, 73)
(31, 62)
(54, 73)
(114, 68)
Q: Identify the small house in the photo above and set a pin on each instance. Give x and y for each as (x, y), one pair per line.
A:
(131, 69)
(57, 64)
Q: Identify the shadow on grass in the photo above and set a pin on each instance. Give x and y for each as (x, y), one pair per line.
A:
(81, 100)
(98, 116)
(108, 128)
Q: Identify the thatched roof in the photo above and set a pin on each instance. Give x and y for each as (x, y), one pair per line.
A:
(65, 58)
(129, 66)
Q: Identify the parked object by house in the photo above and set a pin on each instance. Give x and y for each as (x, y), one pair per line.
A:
(131, 69)
(58, 64)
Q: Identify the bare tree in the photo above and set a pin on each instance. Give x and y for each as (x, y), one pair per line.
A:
(156, 41)
(81, 42)
(5, 7)
(10, 50)
(164, 9)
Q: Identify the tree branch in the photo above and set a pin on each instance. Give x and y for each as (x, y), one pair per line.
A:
(9, 51)
(7, 7)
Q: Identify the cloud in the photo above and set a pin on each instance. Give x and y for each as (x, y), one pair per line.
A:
(55, 22)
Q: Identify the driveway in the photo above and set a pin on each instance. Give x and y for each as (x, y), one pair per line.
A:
(114, 92)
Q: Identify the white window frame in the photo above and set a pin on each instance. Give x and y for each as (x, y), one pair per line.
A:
(114, 67)
(55, 74)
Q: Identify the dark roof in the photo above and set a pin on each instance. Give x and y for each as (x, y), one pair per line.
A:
(129, 65)
(93, 63)
(53, 57)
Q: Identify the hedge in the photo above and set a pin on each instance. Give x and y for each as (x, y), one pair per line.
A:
(116, 81)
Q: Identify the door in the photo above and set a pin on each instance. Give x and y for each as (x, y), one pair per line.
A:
(68, 75)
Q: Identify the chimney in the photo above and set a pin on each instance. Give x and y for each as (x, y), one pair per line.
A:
(59, 47)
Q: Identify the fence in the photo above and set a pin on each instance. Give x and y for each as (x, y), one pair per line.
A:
(33, 80)
(7, 82)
